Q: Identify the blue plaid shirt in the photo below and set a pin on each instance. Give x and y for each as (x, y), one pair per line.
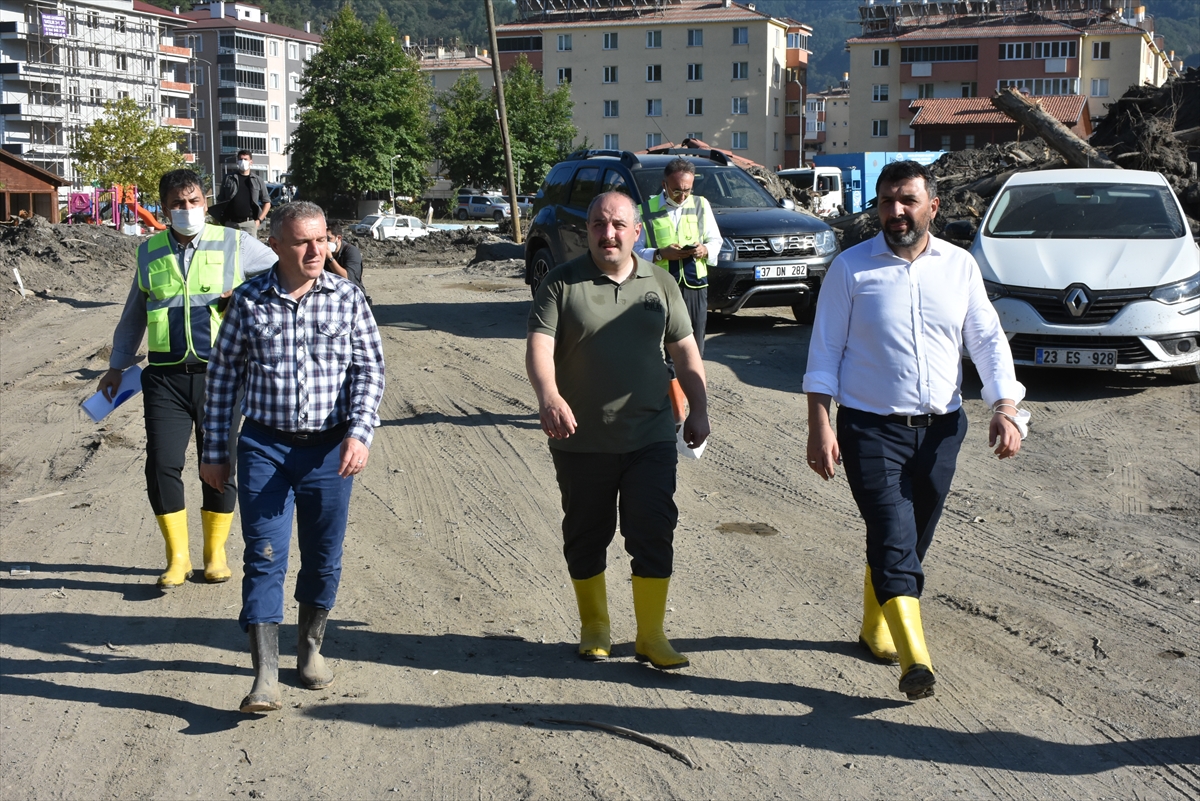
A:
(306, 365)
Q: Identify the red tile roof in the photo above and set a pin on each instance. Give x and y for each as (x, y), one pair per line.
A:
(1067, 109)
(467, 63)
(670, 14)
(147, 8)
(202, 20)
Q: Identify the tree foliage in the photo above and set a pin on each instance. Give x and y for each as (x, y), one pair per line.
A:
(127, 146)
(365, 101)
(468, 134)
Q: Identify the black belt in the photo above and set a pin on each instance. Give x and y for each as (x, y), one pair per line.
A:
(242, 220)
(183, 367)
(919, 420)
(303, 438)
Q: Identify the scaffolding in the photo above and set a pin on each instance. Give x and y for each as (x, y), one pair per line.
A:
(893, 16)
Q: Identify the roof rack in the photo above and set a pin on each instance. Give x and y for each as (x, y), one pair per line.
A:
(627, 158)
(714, 155)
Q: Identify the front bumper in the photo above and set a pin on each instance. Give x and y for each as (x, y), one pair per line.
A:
(733, 287)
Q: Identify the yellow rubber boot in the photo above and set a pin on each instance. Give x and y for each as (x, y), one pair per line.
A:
(595, 642)
(650, 607)
(903, 615)
(874, 635)
(179, 561)
(216, 532)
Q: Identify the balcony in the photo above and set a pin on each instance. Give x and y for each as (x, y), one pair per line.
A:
(189, 158)
(17, 29)
(32, 111)
(175, 53)
(177, 122)
(175, 87)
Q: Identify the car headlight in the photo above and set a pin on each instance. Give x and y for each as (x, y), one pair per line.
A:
(1178, 292)
(994, 290)
(826, 242)
(728, 251)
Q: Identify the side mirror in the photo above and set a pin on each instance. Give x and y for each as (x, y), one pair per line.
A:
(786, 203)
(959, 229)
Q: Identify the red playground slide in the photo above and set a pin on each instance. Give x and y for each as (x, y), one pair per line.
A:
(149, 219)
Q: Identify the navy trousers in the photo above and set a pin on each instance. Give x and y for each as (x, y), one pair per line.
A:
(640, 486)
(277, 479)
(899, 477)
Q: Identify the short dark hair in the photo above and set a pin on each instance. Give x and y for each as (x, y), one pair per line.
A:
(245, 153)
(899, 171)
(177, 179)
(678, 165)
(334, 228)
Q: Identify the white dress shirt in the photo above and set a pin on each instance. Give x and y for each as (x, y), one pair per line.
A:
(888, 335)
(708, 228)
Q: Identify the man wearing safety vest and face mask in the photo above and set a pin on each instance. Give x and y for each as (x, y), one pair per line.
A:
(181, 275)
(682, 237)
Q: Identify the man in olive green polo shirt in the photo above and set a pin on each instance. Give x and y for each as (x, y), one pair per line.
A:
(594, 355)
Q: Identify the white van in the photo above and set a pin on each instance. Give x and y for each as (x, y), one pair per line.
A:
(824, 182)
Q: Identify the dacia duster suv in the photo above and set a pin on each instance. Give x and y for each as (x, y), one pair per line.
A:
(771, 254)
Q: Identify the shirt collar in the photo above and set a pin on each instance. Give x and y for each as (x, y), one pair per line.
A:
(641, 269)
(879, 247)
(321, 284)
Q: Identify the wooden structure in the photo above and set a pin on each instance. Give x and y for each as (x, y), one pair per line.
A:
(26, 190)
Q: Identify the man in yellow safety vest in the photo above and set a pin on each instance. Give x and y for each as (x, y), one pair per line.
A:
(182, 273)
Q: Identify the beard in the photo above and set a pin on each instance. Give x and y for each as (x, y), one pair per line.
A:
(911, 236)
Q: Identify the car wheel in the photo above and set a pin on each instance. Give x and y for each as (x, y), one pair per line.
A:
(1187, 375)
(461, 214)
(543, 262)
(805, 311)
(497, 216)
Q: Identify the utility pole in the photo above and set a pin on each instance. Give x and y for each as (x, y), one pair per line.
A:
(508, 162)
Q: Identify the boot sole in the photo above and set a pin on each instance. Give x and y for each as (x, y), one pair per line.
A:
(676, 666)
(172, 585)
(216, 579)
(593, 657)
(883, 660)
(917, 683)
(316, 686)
(251, 705)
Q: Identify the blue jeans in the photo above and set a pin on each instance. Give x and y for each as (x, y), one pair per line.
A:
(275, 479)
(900, 478)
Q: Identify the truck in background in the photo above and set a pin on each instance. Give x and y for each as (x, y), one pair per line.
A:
(824, 182)
(860, 171)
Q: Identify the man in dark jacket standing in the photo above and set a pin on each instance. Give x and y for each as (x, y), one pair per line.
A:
(245, 197)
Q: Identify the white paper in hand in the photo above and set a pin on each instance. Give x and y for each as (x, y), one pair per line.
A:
(684, 450)
(98, 407)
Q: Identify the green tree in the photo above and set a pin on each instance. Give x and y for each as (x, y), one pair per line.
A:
(366, 102)
(127, 146)
(539, 122)
(467, 136)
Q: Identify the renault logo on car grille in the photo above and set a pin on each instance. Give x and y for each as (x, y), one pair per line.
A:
(1077, 302)
(777, 243)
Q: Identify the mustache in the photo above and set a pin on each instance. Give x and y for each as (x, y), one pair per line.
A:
(609, 243)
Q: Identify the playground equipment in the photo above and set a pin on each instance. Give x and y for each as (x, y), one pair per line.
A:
(116, 206)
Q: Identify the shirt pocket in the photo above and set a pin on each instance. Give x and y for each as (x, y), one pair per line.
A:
(333, 342)
(266, 343)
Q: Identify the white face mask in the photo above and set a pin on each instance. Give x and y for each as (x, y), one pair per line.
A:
(334, 246)
(188, 222)
(244, 165)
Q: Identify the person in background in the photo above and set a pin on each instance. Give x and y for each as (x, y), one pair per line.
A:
(344, 259)
(244, 197)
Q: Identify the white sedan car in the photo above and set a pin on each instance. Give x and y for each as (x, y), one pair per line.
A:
(1093, 269)
(389, 226)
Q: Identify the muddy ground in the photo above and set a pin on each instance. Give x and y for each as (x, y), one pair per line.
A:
(1061, 607)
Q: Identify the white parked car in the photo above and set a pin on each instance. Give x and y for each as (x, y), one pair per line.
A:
(1093, 269)
(388, 226)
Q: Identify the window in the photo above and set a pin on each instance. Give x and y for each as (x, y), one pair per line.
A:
(518, 44)
(879, 128)
(293, 115)
(775, 102)
(564, 42)
(293, 82)
(121, 61)
(775, 72)
(741, 140)
(195, 75)
(741, 70)
(923, 55)
(611, 108)
(653, 39)
(1099, 87)
(275, 113)
(610, 41)
(610, 74)
(969, 142)
(198, 143)
(741, 36)
(247, 78)
(293, 50)
(122, 95)
(653, 140)
(741, 105)
(695, 72)
(309, 52)
(945, 142)
(564, 75)
(239, 43)
(1054, 49)
(1016, 51)
(695, 37)
(1100, 51)
(880, 58)
(273, 47)
(970, 89)
(694, 135)
(653, 73)
(612, 142)
(924, 90)
(93, 58)
(879, 93)
(119, 24)
(653, 108)
(274, 80)
(794, 74)
(93, 20)
(797, 41)
(275, 145)
(776, 140)
(236, 110)
(232, 142)
(97, 96)
(1041, 87)
(695, 106)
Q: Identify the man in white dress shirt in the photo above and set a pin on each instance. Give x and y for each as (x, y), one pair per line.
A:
(893, 315)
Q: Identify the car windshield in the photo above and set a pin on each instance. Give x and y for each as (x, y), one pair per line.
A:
(369, 221)
(1085, 211)
(722, 187)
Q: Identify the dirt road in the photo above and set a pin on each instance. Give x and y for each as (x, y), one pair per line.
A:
(1061, 606)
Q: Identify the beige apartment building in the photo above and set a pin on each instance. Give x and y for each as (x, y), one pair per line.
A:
(646, 73)
(443, 66)
(918, 51)
(827, 120)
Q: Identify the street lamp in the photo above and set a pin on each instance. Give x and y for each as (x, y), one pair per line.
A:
(392, 176)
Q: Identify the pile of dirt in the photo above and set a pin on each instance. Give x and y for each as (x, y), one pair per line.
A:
(449, 247)
(780, 189)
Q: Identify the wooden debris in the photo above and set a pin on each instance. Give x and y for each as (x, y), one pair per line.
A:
(629, 734)
(1028, 112)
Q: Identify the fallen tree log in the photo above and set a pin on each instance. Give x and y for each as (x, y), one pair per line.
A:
(1029, 113)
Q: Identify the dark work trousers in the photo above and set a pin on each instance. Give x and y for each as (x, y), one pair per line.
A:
(173, 405)
(899, 477)
(640, 485)
(280, 481)
(696, 302)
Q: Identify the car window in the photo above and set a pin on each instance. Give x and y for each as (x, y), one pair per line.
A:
(587, 182)
(554, 188)
(370, 220)
(614, 181)
(401, 223)
(1085, 211)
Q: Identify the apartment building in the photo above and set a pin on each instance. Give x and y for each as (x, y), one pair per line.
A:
(647, 72)
(247, 72)
(60, 62)
(827, 120)
(918, 50)
(443, 65)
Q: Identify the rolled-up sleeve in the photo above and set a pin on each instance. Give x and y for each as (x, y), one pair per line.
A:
(367, 379)
(831, 329)
(987, 345)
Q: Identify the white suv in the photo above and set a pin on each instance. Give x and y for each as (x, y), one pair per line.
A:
(1093, 269)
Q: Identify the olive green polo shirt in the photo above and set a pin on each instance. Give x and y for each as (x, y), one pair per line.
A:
(608, 352)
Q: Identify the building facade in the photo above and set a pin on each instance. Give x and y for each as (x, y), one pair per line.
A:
(827, 120)
(914, 51)
(60, 62)
(443, 66)
(247, 73)
(647, 72)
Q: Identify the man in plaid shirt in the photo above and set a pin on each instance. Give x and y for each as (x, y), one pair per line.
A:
(303, 344)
